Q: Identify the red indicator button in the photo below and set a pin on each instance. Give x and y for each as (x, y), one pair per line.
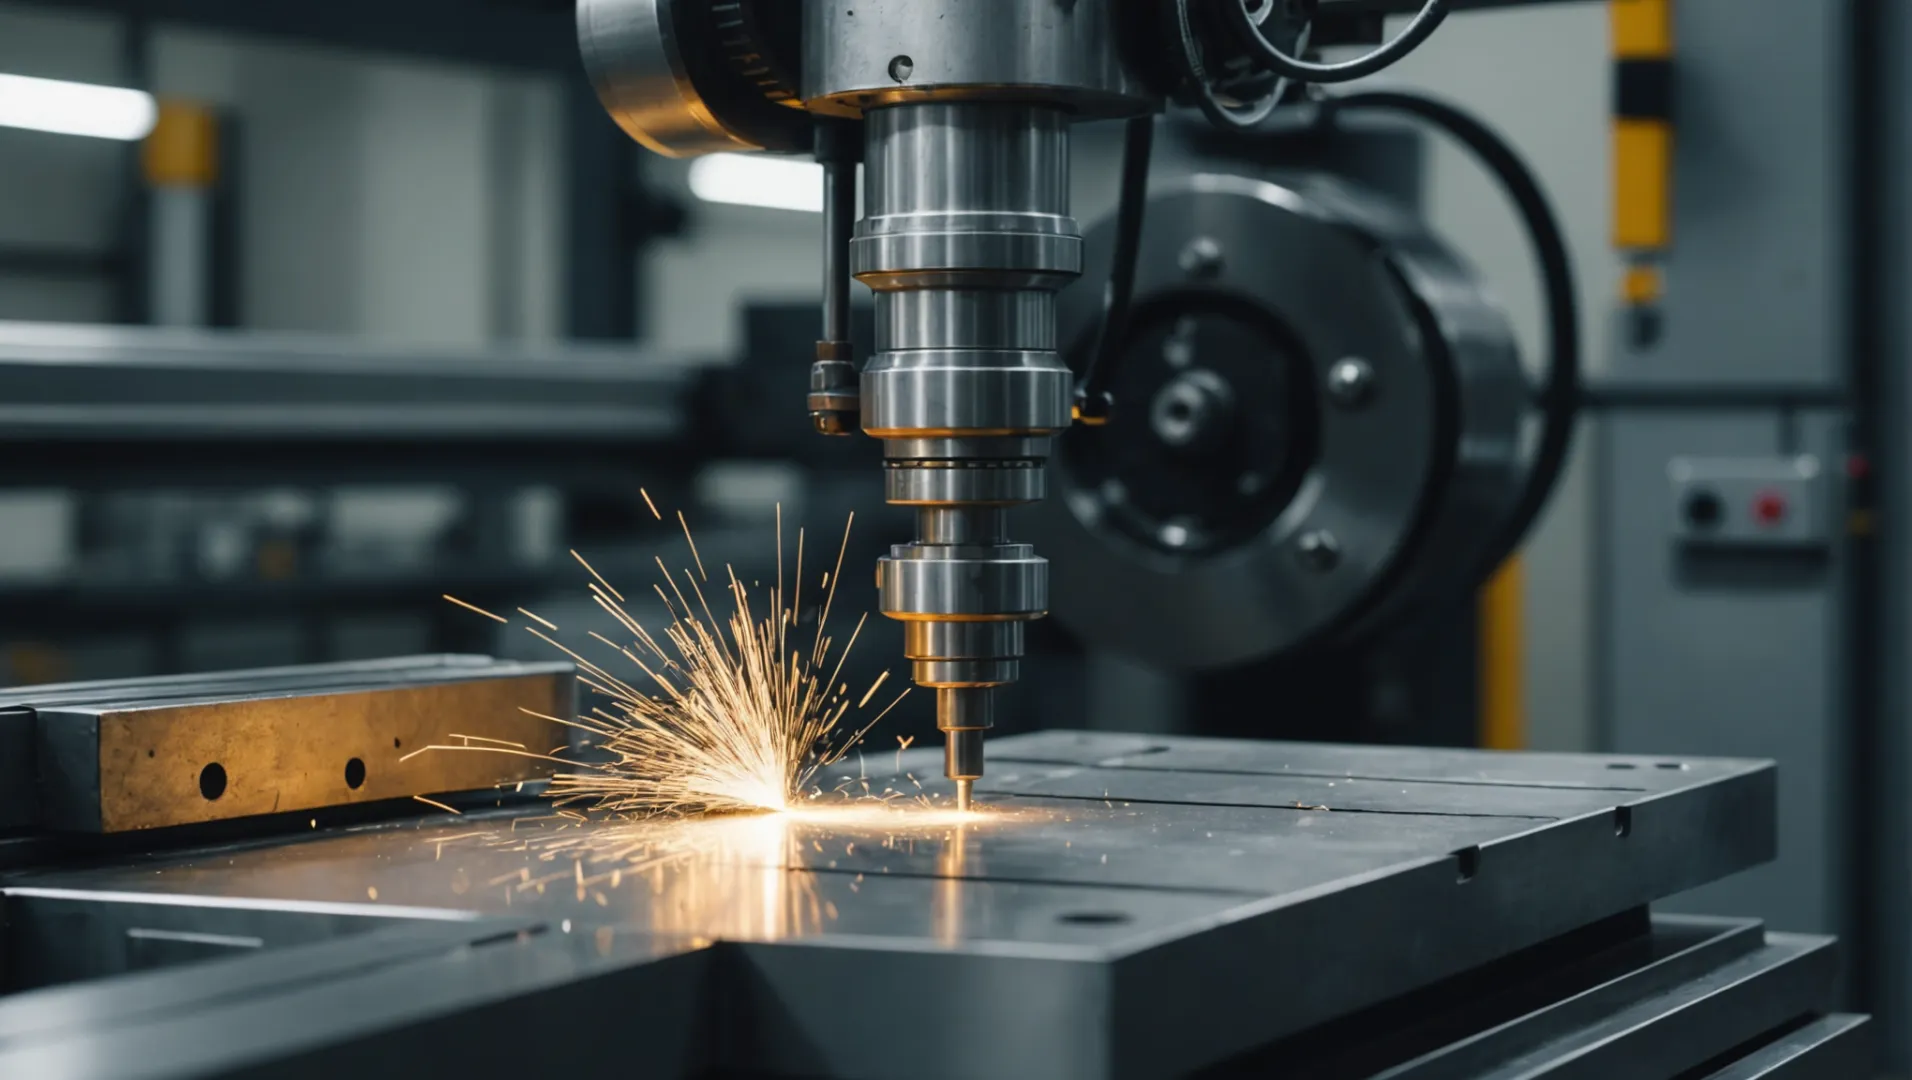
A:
(1769, 508)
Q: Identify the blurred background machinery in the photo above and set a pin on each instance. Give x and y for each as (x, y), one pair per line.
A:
(364, 303)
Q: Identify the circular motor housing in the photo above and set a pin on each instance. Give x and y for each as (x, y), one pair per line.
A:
(1317, 428)
(692, 77)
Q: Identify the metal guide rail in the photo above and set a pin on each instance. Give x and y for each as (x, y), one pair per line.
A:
(126, 384)
(1119, 906)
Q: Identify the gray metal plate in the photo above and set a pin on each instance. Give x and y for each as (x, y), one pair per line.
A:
(1830, 1048)
(118, 383)
(1104, 917)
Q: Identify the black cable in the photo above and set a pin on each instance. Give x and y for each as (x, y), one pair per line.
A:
(1092, 399)
(1559, 393)
(1236, 12)
(1219, 114)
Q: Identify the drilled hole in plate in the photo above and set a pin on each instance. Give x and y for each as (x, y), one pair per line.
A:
(1669, 764)
(1094, 918)
(1621, 765)
(212, 781)
(1622, 820)
(396, 743)
(1466, 864)
(354, 773)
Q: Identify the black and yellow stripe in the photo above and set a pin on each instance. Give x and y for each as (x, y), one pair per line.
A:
(1643, 124)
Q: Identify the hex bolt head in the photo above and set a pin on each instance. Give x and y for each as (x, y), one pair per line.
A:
(1350, 382)
(1201, 258)
(1318, 550)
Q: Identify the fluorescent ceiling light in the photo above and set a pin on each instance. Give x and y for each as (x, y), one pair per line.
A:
(779, 183)
(69, 108)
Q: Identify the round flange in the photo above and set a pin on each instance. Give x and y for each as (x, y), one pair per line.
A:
(1314, 430)
(686, 78)
(1213, 431)
(872, 53)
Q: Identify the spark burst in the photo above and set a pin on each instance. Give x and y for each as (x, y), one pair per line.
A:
(728, 715)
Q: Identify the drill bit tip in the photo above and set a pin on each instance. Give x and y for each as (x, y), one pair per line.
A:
(963, 797)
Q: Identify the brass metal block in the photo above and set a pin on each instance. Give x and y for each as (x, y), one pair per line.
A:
(177, 759)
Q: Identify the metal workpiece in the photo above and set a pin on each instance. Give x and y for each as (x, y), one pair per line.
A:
(689, 79)
(1076, 925)
(859, 56)
(140, 754)
(1315, 434)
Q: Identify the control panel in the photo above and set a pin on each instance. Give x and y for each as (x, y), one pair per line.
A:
(1759, 502)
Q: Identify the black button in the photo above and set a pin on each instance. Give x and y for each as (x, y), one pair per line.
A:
(1704, 509)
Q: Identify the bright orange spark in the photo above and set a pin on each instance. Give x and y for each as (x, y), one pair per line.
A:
(727, 715)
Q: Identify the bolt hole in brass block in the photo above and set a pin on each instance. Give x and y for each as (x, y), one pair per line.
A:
(212, 781)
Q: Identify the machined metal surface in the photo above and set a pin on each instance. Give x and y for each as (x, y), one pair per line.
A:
(866, 55)
(1362, 464)
(1121, 906)
(966, 236)
(149, 753)
(1831, 1046)
(1607, 1001)
(128, 383)
(660, 68)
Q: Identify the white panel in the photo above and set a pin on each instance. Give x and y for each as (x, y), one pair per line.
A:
(302, 215)
(36, 535)
(697, 284)
(57, 190)
(83, 46)
(542, 214)
(198, 65)
(424, 276)
(525, 145)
